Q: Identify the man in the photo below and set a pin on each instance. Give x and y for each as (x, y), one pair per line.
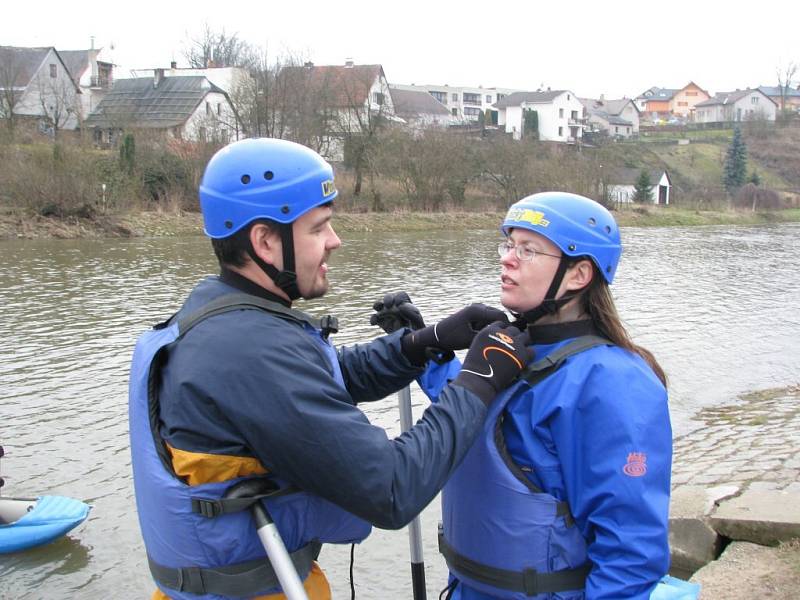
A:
(240, 385)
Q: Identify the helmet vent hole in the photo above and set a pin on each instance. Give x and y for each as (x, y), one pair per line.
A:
(592, 222)
(228, 224)
(571, 247)
(608, 229)
(285, 209)
(245, 179)
(268, 175)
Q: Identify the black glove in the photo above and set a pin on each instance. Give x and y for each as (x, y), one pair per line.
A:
(455, 332)
(395, 312)
(497, 355)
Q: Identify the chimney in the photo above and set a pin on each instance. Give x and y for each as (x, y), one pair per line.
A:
(158, 76)
(91, 44)
(348, 63)
(602, 98)
(308, 65)
(173, 65)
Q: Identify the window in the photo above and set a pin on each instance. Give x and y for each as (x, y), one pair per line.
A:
(208, 107)
(455, 97)
(628, 130)
(440, 96)
(560, 114)
(488, 98)
(568, 97)
(560, 131)
(500, 97)
(219, 109)
(454, 111)
(53, 71)
(472, 98)
(574, 115)
(753, 99)
(616, 129)
(378, 98)
(471, 111)
(683, 104)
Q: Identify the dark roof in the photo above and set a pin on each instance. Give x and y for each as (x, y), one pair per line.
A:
(409, 103)
(336, 86)
(138, 103)
(610, 107)
(611, 119)
(518, 98)
(21, 63)
(76, 61)
(722, 98)
(629, 176)
(774, 91)
(657, 93)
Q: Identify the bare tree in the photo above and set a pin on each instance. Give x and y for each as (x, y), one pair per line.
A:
(218, 49)
(785, 76)
(10, 69)
(58, 99)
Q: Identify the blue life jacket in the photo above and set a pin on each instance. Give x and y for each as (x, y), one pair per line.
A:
(199, 545)
(501, 534)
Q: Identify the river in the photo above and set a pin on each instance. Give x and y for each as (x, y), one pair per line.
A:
(718, 306)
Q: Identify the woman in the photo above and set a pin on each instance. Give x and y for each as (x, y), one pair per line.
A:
(565, 494)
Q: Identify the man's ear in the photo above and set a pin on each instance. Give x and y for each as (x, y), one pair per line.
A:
(266, 243)
(579, 275)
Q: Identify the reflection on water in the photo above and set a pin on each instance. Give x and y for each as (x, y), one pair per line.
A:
(718, 306)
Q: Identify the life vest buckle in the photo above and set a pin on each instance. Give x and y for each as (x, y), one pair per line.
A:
(208, 508)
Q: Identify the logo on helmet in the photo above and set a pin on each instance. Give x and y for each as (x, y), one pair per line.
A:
(328, 188)
(534, 217)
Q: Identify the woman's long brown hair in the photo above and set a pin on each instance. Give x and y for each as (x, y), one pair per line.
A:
(599, 304)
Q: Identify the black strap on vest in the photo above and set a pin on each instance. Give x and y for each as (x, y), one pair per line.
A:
(210, 508)
(241, 580)
(528, 581)
(538, 370)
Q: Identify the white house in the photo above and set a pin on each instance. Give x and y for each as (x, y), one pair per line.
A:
(619, 118)
(465, 104)
(184, 108)
(419, 109)
(741, 105)
(620, 185)
(93, 71)
(559, 114)
(36, 85)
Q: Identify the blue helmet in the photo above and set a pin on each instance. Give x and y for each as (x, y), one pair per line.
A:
(262, 178)
(577, 225)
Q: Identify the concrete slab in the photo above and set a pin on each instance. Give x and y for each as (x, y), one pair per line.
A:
(764, 517)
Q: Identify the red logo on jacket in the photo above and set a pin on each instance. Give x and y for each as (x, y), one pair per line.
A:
(636, 465)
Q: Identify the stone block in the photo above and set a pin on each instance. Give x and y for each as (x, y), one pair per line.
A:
(764, 517)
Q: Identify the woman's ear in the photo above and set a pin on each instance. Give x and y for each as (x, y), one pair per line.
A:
(579, 275)
(267, 244)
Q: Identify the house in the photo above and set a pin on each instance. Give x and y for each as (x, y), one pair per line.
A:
(620, 185)
(559, 115)
(465, 104)
(184, 108)
(665, 103)
(419, 109)
(338, 103)
(36, 87)
(740, 105)
(619, 118)
(94, 74)
(785, 97)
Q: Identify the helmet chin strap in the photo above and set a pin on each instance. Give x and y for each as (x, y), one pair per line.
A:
(550, 305)
(286, 279)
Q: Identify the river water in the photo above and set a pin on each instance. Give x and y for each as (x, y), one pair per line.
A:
(719, 307)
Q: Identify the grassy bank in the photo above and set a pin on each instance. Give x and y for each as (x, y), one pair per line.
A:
(167, 224)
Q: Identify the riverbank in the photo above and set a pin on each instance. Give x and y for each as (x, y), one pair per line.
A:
(178, 224)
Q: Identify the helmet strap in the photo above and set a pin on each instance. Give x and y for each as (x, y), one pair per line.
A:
(550, 305)
(286, 280)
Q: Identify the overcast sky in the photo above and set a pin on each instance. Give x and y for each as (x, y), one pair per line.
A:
(587, 47)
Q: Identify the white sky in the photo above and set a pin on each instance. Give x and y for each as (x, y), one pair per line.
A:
(587, 47)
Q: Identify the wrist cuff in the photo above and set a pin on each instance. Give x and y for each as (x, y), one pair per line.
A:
(477, 385)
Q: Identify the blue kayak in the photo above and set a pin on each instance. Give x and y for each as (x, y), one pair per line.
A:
(25, 523)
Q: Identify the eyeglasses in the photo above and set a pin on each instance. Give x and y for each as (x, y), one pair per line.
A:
(523, 252)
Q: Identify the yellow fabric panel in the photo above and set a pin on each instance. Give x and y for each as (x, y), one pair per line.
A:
(197, 468)
(316, 585)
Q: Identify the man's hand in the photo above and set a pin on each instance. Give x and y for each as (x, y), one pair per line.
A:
(497, 355)
(455, 332)
(395, 312)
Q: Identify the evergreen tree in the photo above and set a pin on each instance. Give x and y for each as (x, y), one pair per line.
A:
(643, 188)
(755, 179)
(735, 171)
(530, 122)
